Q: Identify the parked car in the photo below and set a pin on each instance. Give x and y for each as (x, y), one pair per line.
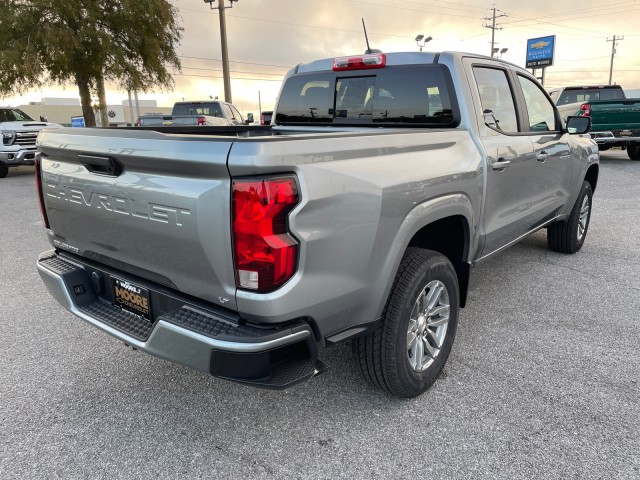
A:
(243, 251)
(569, 99)
(19, 132)
(202, 113)
(616, 123)
(265, 117)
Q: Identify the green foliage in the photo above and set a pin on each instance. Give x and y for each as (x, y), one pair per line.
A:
(131, 42)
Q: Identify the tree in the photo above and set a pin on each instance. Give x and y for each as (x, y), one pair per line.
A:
(85, 42)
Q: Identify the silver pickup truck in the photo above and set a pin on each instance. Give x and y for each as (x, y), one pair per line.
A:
(356, 216)
(19, 132)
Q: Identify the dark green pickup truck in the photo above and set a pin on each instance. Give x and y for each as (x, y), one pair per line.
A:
(615, 123)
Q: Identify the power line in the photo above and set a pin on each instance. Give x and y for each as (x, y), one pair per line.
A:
(231, 61)
(233, 71)
(234, 78)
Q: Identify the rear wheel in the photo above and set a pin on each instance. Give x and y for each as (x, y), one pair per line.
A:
(3, 170)
(633, 150)
(407, 353)
(568, 236)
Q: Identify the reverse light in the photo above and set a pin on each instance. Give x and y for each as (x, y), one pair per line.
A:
(360, 62)
(265, 253)
(43, 211)
(202, 120)
(586, 110)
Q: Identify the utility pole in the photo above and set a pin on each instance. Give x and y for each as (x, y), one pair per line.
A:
(493, 26)
(223, 43)
(614, 43)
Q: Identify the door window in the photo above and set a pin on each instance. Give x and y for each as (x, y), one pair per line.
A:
(496, 96)
(541, 114)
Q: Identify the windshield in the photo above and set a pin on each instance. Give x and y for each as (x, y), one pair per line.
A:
(416, 96)
(211, 109)
(14, 115)
(590, 94)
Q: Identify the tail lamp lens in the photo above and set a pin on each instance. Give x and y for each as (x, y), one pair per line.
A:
(265, 252)
(201, 120)
(586, 110)
(43, 211)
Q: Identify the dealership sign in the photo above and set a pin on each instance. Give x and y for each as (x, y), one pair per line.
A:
(540, 51)
(77, 122)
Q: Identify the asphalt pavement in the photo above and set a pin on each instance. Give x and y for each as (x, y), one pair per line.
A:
(543, 380)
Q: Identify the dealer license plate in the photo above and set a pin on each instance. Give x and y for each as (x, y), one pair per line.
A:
(132, 298)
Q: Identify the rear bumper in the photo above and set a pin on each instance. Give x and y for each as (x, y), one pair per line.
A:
(184, 332)
(25, 156)
(603, 138)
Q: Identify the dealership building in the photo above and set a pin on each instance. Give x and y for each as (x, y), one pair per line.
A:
(62, 110)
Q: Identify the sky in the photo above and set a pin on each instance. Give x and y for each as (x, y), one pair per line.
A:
(267, 37)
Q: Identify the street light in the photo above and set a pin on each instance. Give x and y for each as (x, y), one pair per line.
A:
(421, 41)
(501, 51)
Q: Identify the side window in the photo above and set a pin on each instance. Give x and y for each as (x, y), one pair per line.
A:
(227, 111)
(542, 116)
(495, 95)
(236, 114)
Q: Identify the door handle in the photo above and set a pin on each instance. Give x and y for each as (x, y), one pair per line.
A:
(542, 156)
(501, 164)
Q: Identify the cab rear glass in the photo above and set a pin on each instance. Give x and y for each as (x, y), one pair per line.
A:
(421, 96)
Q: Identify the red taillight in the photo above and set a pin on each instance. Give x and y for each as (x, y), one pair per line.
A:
(265, 252)
(360, 62)
(586, 110)
(202, 120)
(45, 219)
(262, 119)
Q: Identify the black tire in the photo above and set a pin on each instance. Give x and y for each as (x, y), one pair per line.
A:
(384, 355)
(568, 236)
(633, 150)
(3, 170)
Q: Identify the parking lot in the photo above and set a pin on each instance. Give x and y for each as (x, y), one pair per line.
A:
(543, 381)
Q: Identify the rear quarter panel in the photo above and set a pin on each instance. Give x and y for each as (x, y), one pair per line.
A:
(363, 197)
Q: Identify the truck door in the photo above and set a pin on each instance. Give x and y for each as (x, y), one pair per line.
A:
(512, 189)
(550, 147)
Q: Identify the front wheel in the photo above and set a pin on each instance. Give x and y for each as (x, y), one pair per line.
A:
(407, 353)
(568, 236)
(633, 150)
(3, 170)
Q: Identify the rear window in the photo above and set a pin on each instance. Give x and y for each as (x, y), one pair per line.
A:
(211, 109)
(590, 94)
(410, 96)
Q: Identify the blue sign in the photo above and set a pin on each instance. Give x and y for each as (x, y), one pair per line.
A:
(77, 122)
(540, 51)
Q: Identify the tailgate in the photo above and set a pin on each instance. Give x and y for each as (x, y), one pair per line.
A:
(616, 114)
(149, 204)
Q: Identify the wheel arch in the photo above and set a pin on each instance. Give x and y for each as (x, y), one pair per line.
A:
(592, 176)
(450, 237)
(445, 224)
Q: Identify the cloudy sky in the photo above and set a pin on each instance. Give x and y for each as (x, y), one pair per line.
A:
(266, 37)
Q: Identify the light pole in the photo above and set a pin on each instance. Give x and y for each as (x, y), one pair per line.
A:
(223, 43)
(421, 41)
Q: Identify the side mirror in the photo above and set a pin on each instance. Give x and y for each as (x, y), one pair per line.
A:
(578, 125)
(249, 118)
(43, 118)
(489, 119)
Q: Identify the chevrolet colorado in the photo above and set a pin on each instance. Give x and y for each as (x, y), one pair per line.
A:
(356, 216)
